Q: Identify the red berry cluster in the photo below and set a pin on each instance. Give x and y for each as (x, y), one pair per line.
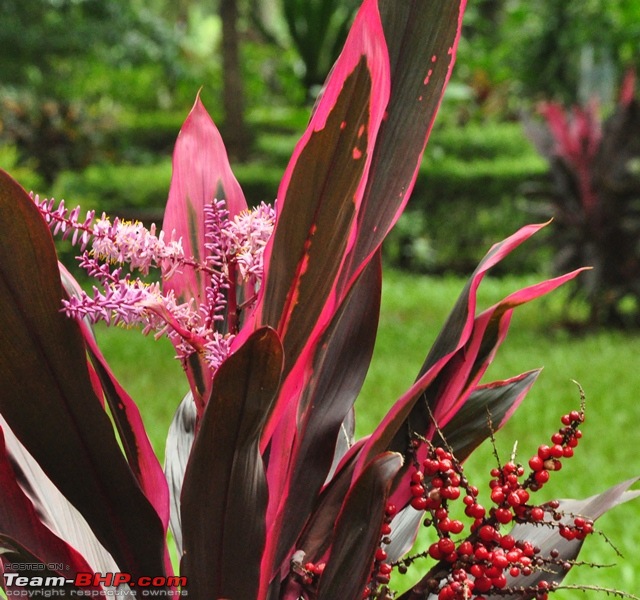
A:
(481, 564)
(309, 572)
(381, 571)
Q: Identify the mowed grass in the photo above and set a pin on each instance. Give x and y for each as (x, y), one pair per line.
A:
(605, 363)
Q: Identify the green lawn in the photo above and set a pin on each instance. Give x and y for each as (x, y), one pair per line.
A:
(605, 363)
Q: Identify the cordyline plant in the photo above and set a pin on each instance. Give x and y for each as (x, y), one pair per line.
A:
(273, 313)
(593, 196)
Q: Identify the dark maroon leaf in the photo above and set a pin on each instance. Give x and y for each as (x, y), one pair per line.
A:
(498, 400)
(321, 191)
(53, 509)
(224, 495)
(19, 521)
(421, 38)
(43, 366)
(340, 365)
(357, 531)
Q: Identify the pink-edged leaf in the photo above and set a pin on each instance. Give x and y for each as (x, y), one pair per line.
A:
(20, 522)
(422, 38)
(317, 535)
(201, 174)
(224, 495)
(458, 357)
(497, 400)
(339, 367)
(321, 191)
(127, 418)
(53, 509)
(357, 531)
(177, 451)
(457, 328)
(43, 365)
(439, 394)
(490, 330)
(133, 436)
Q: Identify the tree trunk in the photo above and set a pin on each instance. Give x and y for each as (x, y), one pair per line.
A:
(236, 133)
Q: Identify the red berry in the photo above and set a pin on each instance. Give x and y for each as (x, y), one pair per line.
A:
(434, 551)
(535, 462)
(513, 556)
(446, 545)
(507, 542)
(497, 496)
(576, 417)
(503, 515)
(430, 466)
(500, 581)
(482, 584)
(456, 527)
(556, 451)
(542, 477)
(465, 548)
(487, 533)
(482, 553)
(385, 568)
(417, 477)
(544, 452)
(380, 555)
(476, 570)
(419, 503)
(537, 514)
(450, 493)
(499, 560)
(477, 511)
(417, 490)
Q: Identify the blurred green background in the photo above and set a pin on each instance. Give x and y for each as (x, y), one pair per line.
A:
(92, 96)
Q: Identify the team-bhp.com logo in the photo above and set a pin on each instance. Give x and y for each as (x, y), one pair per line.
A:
(84, 584)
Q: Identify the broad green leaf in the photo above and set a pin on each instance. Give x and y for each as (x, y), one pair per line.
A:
(224, 495)
(48, 399)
